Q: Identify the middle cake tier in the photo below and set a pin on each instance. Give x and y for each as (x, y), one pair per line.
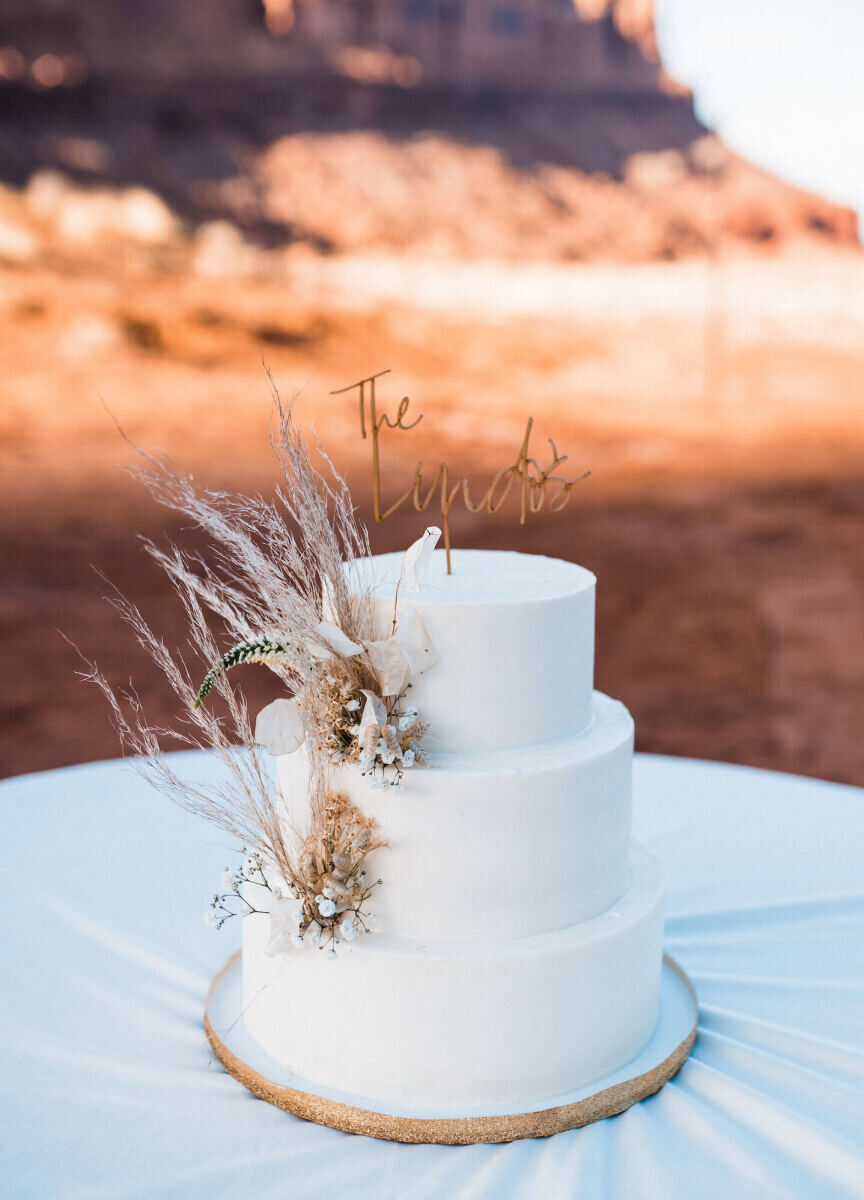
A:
(495, 846)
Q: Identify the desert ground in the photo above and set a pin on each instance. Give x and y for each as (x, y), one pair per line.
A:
(718, 402)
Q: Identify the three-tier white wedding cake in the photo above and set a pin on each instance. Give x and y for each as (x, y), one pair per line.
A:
(518, 946)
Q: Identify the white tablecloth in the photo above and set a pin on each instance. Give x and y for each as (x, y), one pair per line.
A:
(109, 1089)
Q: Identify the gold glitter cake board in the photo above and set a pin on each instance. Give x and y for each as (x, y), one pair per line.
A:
(655, 1065)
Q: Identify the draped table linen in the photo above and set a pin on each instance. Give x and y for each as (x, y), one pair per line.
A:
(108, 1087)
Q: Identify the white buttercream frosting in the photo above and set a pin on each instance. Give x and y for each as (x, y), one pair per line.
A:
(513, 637)
(404, 1022)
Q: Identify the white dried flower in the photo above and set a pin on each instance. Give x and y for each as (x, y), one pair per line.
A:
(279, 727)
(406, 723)
(312, 936)
(408, 757)
(229, 880)
(326, 907)
(333, 641)
(390, 664)
(348, 930)
(352, 705)
(328, 893)
(371, 919)
(416, 559)
(211, 919)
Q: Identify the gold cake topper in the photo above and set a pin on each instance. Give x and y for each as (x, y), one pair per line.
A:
(534, 480)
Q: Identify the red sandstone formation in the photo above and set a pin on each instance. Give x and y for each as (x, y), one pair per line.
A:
(514, 129)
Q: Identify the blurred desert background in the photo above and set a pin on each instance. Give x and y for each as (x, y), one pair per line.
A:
(514, 208)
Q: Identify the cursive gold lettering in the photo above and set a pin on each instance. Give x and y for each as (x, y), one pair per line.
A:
(532, 477)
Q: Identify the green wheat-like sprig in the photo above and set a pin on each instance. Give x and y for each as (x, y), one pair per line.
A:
(259, 650)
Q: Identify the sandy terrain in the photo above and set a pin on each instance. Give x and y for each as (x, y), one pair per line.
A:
(719, 406)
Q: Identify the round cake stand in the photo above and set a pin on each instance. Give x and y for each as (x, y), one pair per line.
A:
(643, 1076)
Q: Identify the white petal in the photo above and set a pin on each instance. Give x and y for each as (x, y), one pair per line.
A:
(279, 727)
(312, 937)
(334, 639)
(374, 712)
(286, 913)
(415, 562)
(414, 642)
(280, 938)
(390, 664)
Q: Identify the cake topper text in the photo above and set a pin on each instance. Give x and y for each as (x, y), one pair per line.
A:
(538, 486)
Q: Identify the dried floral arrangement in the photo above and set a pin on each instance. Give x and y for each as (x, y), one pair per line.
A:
(276, 584)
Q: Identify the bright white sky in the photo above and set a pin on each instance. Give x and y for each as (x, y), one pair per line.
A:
(781, 81)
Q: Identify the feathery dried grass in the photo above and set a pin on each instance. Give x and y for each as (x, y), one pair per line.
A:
(274, 569)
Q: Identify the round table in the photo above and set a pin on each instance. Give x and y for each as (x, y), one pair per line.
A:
(109, 1088)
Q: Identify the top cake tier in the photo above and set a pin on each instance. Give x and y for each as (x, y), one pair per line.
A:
(513, 637)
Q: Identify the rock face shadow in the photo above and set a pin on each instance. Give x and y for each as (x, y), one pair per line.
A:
(164, 95)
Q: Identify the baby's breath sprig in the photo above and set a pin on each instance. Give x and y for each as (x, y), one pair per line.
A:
(267, 650)
(251, 870)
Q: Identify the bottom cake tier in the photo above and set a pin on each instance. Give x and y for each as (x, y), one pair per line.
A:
(464, 1024)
